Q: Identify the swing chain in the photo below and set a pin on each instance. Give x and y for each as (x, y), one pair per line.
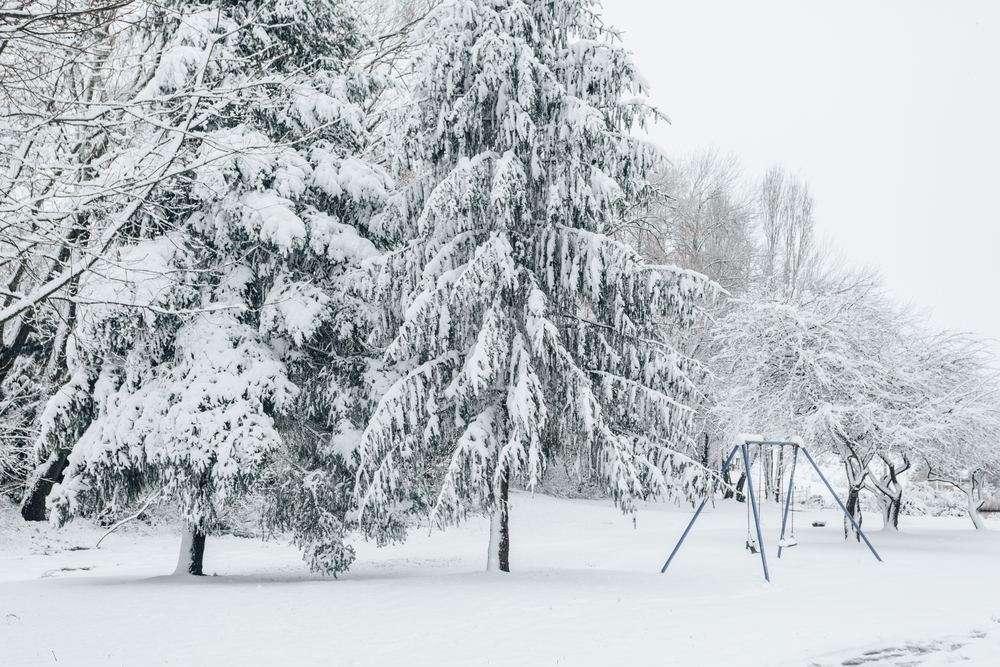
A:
(751, 541)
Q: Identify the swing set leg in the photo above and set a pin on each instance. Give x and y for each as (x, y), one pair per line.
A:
(788, 500)
(837, 498)
(756, 518)
(700, 508)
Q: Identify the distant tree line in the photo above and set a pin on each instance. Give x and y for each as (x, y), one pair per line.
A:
(804, 344)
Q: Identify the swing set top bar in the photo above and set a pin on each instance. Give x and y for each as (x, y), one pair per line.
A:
(791, 443)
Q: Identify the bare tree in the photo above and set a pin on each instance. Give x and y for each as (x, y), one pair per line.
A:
(961, 394)
(64, 75)
(820, 366)
(790, 251)
(393, 24)
(704, 221)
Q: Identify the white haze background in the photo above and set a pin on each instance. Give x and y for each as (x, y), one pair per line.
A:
(889, 110)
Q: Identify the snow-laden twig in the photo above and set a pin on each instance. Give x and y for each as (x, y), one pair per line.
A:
(155, 498)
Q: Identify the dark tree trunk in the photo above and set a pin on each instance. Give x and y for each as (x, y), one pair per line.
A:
(740, 497)
(196, 567)
(46, 475)
(779, 475)
(890, 500)
(704, 449)
(854, 509)
(498, 558)
(503, 552)
(889, 492)
(893, 518)
(192, 554)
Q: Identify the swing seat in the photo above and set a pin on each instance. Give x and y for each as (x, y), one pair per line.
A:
(787, 542)
(752, 546)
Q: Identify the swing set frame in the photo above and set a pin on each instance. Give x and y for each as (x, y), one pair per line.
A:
(742, 447)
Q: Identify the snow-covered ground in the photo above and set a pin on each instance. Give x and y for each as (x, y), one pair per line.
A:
(586, 589)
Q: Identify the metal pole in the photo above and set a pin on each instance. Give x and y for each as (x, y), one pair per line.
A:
(756, 519)
(788, 501)
(700, 508)
(837, 498)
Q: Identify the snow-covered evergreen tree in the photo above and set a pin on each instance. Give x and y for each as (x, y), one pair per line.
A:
(518, 329)
(196, 323)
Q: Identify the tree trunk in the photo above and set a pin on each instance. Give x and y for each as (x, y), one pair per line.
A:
(498, 558)
(740, 497)
(857, 473)
(892, 517)
(890, 500)
(889, 494)
(779, 476)
(767, 472)
(192, 553)
(974, 492)
(895, 499)
(977, 519)
(46, 475)
(728, 488)
(854, 509)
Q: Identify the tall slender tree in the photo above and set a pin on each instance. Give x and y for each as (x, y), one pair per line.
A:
(516, 328)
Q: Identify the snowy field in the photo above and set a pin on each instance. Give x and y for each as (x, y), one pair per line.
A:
(585, 590)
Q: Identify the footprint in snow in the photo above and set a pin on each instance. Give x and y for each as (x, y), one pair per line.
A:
(967, 649)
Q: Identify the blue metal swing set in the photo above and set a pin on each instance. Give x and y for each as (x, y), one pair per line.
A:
(753, 503)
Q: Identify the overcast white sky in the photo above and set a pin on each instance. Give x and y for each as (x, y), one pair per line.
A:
(889, 110)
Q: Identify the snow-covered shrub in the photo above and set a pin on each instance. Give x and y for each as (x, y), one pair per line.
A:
(933, 499)
(565, 479)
